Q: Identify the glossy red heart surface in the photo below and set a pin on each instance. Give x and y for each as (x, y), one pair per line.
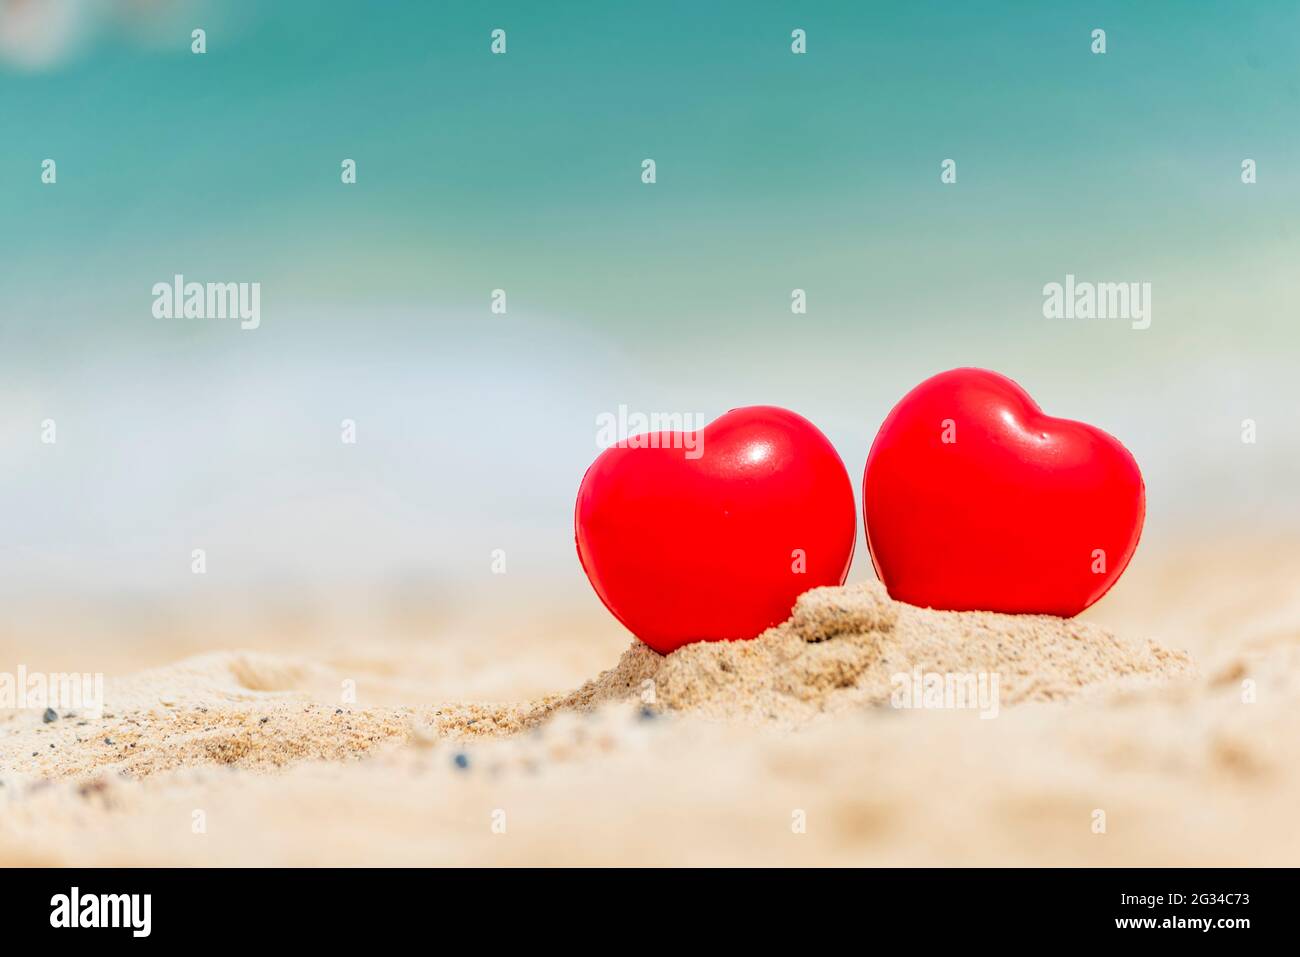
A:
(974, 499)
(711, 535)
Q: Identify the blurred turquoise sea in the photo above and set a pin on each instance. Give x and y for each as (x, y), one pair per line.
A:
(522, 172)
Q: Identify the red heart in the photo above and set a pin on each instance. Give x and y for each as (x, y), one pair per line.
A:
(975, 499)
(716, 546)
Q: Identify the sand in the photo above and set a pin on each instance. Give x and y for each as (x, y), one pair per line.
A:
(789, 748)
(842, 647)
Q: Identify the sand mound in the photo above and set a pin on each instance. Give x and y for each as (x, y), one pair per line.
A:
(839, 651)
(842, 647)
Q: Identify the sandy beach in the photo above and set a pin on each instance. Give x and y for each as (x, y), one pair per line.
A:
(1160, 729)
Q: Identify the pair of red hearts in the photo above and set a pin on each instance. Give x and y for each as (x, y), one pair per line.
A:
(973, 499)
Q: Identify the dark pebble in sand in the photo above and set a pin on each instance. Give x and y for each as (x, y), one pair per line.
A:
(108, 740)
(50, 715)
(461, 761)
(647, 713)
